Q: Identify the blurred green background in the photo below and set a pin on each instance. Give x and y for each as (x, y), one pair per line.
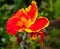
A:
(48, 8)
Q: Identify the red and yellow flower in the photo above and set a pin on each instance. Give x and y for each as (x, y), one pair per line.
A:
(26, 20)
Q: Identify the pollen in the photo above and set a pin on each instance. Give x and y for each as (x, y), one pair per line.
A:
(28, 30)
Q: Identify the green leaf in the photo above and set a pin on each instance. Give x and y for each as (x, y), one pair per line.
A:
(57, 8)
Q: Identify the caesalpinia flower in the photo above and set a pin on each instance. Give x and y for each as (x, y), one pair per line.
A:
(26, 20)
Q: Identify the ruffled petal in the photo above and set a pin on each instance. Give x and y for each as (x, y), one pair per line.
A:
(20, 13)
(19, 20)
(25, 19)
(40, 23)
(13, 25)
(32, 11)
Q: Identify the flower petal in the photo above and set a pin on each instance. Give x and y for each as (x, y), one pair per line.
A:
(12, 27)
(24, 17)
(20, 13)
(16, 21)
(40, 23)
(18, 39)
(32, 11)
(33, 35)
(42, 35)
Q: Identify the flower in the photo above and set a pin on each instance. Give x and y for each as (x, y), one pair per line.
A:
(26, 20)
